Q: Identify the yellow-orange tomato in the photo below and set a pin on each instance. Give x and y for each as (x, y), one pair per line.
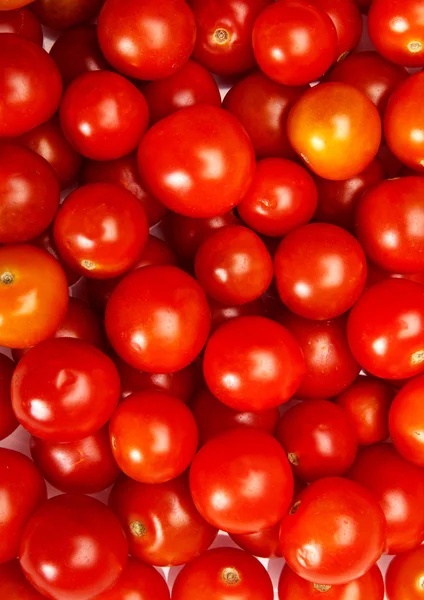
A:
(335, 129)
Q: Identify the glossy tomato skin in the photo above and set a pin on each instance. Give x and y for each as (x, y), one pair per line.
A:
(45, 241)
(198, 162)
(83, 466)
(162, 524)
(23, 22)
(253, 364)
(76, 396)
(100, 230)
(310, 533)
(138, 582)
(347, 21)
(61, 14)
(138, 305)
(399, 487)
(381, 334)
(26, 272)
(320, 271)
(40, 86)
(14, 585)
(223, 573)
(147, 41)
(13, 4)
(405, 575)
(332, 150)
(103, 115)
(264, 543)
(8, 422)
(406, 421)
(78, 530)
(221, 469)
(262, 107)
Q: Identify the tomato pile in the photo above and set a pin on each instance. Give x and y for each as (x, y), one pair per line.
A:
(211, 299)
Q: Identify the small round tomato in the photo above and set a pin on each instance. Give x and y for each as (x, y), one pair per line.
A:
(220, 313)
(138, 582)
(45, 241)
(165, 315)
(253, 364)
(326, 128)
(399, 487)
(100, 230)
(282, 197)
(103, 115)
(347, 20)
(13, 4)
(406, 421)
(14, 585)
(385, 329)
(241, 481)
(331, 519)
(33, 296)
(223, 573)
(204, 174)
(23, 22)
(73, 530)
(264, 543)
(161, 522)
(147, 41)
(61, 14)
(8, 422)
(76, 396)
(30, 87)
(405, 576)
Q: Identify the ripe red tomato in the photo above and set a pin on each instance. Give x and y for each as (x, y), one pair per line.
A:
(262, 107)
(161, 522)
(76, 396)
(8, 422)
(45, 241)
(32, 280)
(406, 421)
(83, 466)
(264, 543)
(241, 481)
(253, 364)
(138, 582)
(61, 14)
(30, 87)
(22, 489)
(404, 577)
(199, 162)
(73, 530)
(23, 22)
(223, 573)
(348, 23)
(399, 487)
(153, 436)
(367, 403)
(331, 519)
(220, 313)
(147, 41)
(14, 585)
(385, 329)
(12, 4)
(165, 316)
(326, 128)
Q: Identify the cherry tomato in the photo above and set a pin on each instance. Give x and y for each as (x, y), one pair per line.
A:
(253, 364)
(12, 4)
(264, 543)
(100, 230)
(241, 481)
(138, 582)
(165, 316)
(22, 22)
(221, 313)
(367, 403)
(161, 522)
(199, 162)
(262, 107)
(14, 585)
(8, 422)
(404, 577)
(73, 530)
(76, 395)
(223, 574)
(386, 329)
(30, 87)
(331, 519)
(294, 42)
(193, 84)
(45, 241)
(348, 23)
(406, 421)
(399, 487)
(147, 41)
(153, 436)
(61, 14)
(33, 296)
(22, 489)
(326, 128)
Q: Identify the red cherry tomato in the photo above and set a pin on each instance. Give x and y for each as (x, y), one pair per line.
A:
(73, 530)
(139, 582)
(406, 421)
(331, 519)
(45, 241)
(203, 173)
(223, 573)
(404, 577)
(165, 316)
(253, 364)
(61, 14)
(12, 4)
(30, 87)
(221, 313)
(22, 489)
(147, 41)
(294, 42)
(100, 230)
(241, 481)
(386, 329)
(14, 585)
(399, 487)
(161, 522)
(33, 296)
(8, 422)
(264, 543)
(76, 396)
(326, 128)
(348, 23)
(22, 22)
